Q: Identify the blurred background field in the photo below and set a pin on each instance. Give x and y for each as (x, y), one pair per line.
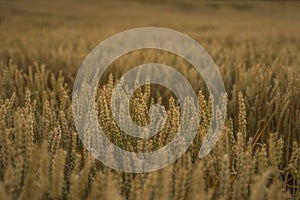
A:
(63, 32)
(256, 46)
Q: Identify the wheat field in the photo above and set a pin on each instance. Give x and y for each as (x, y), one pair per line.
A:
(256, 46)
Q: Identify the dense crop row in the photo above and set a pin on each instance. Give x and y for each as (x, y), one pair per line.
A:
(257, 155)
